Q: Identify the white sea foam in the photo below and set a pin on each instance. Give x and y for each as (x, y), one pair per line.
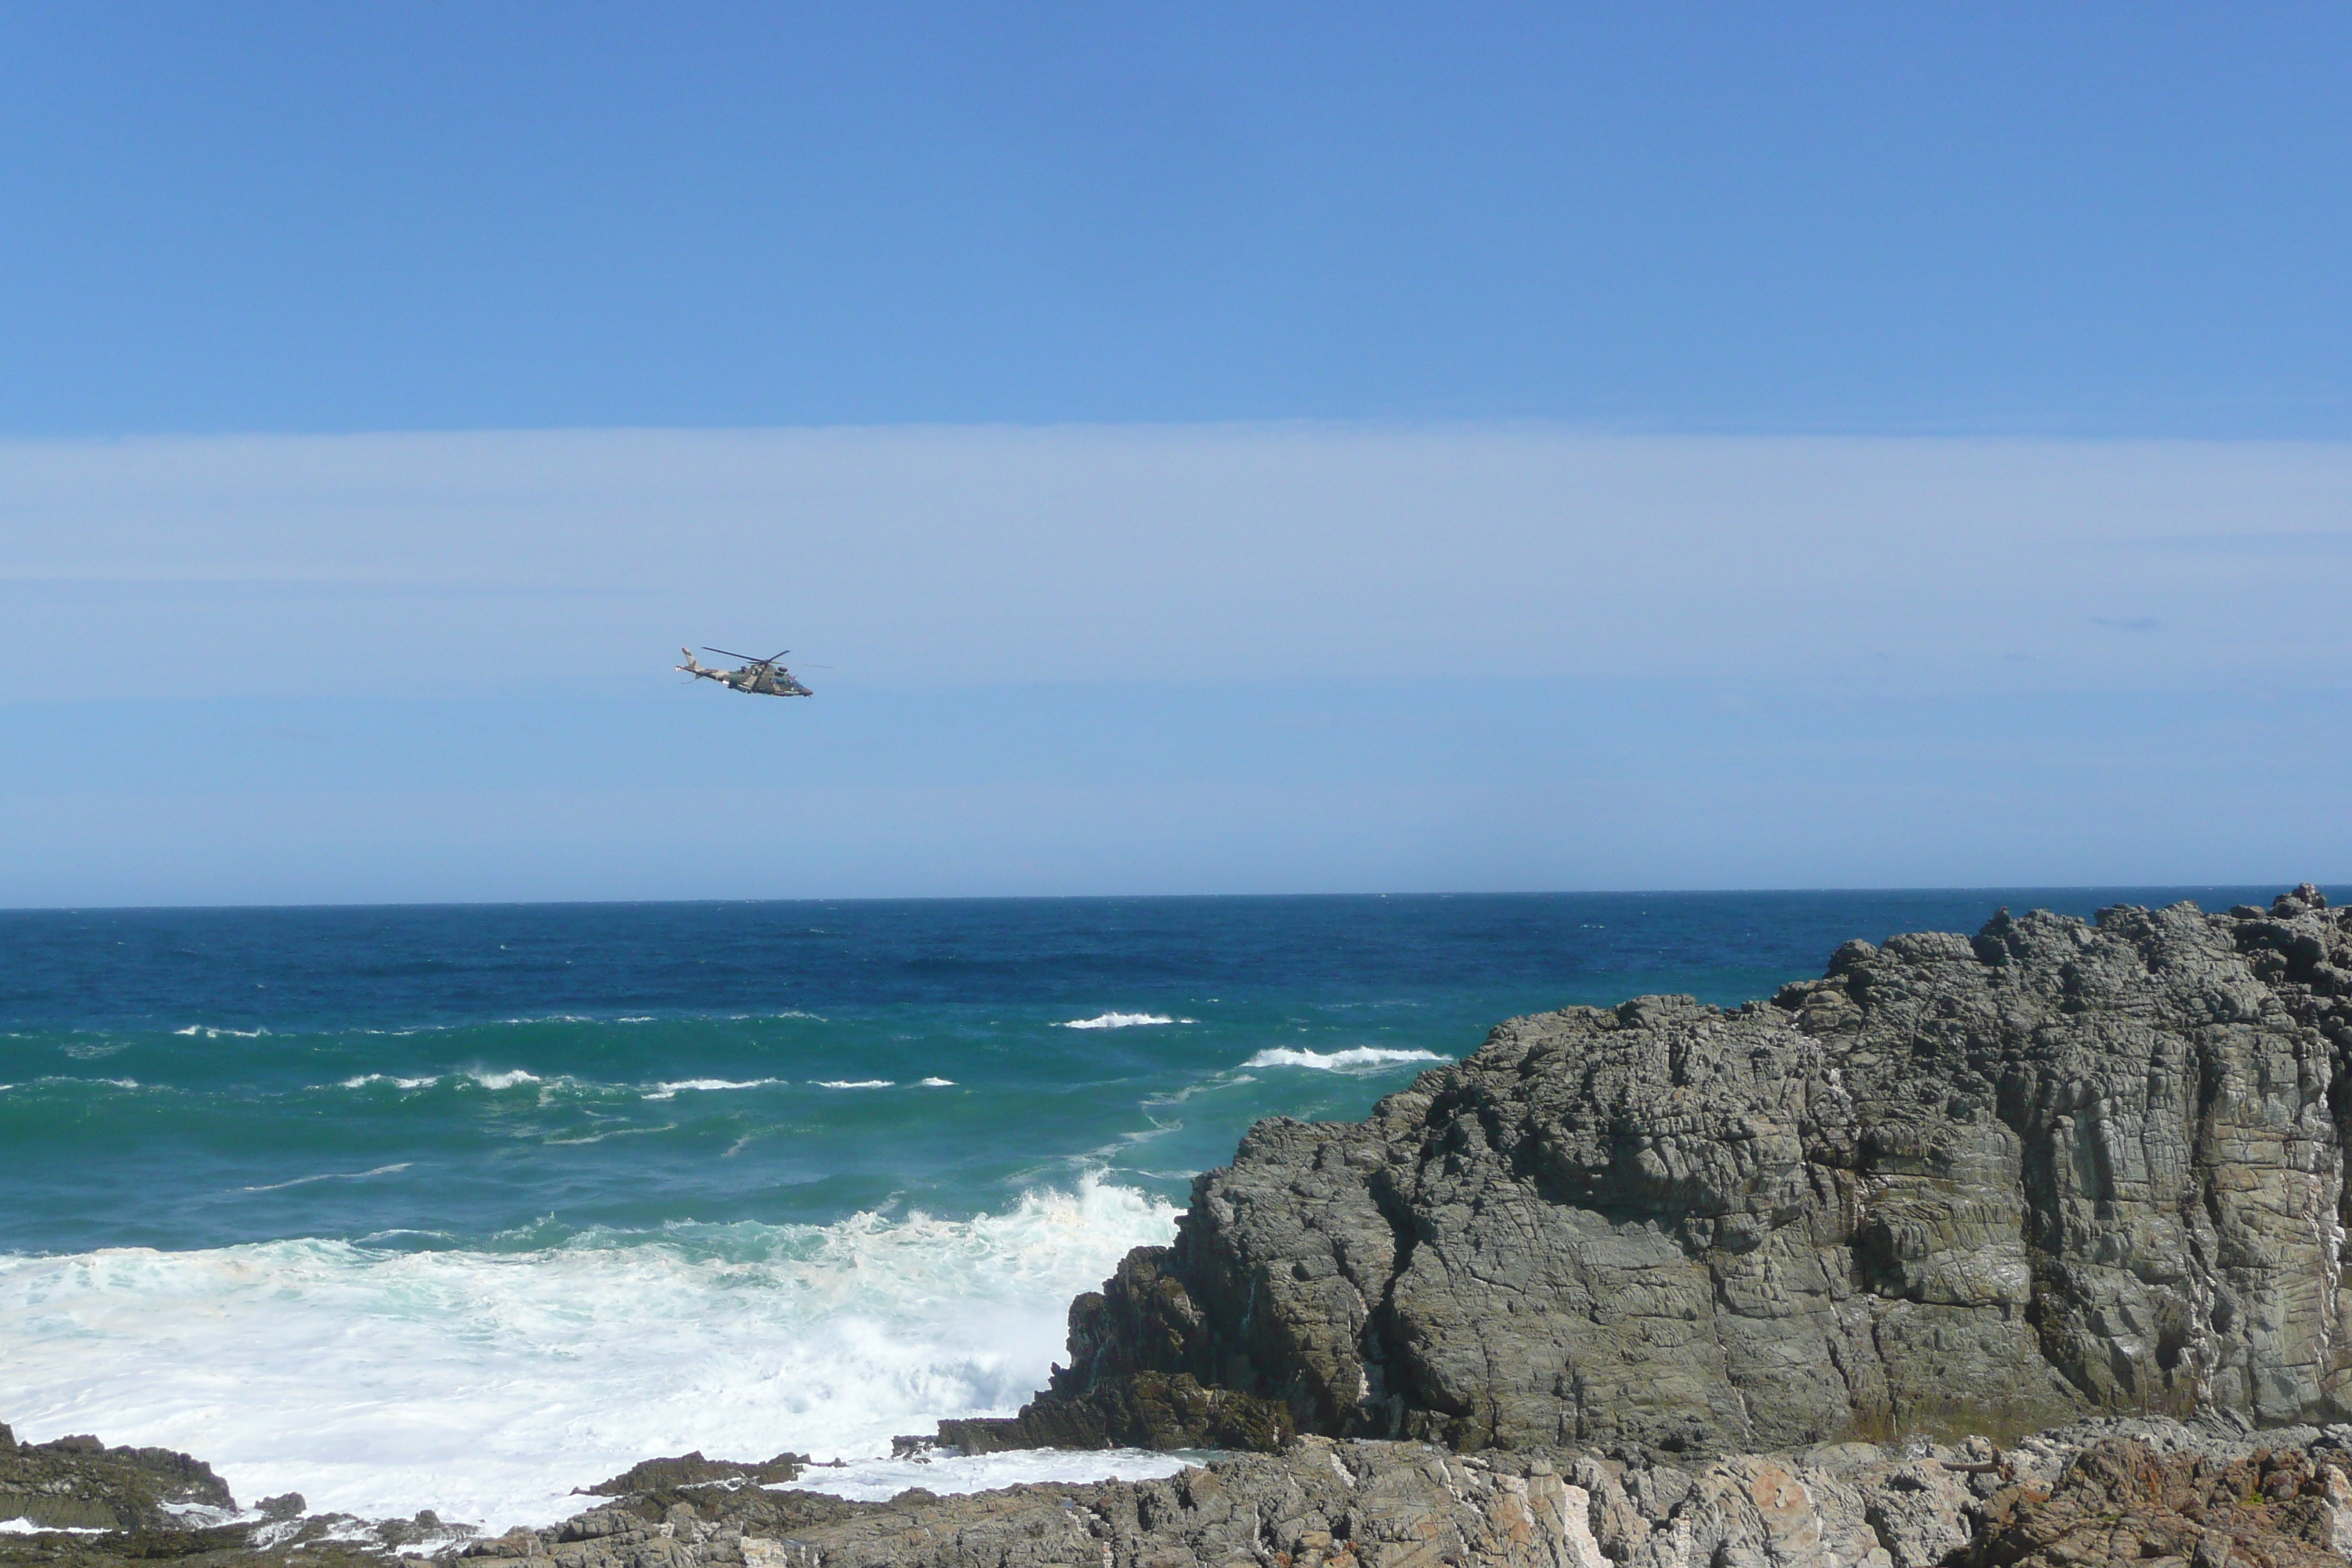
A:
(328, 1176)
(610, 1132)
(854, 1083)
(209, 1033)
(487, 1385)
(505, 1080)
(936, 1083)
(1121, 1021)
(709, 1086)
(878, 1480)
(365, 1079)
(1355, 1058)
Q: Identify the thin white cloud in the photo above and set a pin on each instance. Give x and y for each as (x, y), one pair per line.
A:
(1171, 553)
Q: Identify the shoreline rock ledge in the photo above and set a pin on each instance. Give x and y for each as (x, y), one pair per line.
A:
(1958, 1185)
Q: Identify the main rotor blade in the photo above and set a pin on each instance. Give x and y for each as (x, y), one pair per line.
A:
(746, 658)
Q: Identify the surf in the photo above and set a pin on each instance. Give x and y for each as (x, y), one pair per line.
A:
(487, 1385)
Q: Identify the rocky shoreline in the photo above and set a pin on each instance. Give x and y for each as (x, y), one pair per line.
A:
(2023, 1248)
(2211, 1493)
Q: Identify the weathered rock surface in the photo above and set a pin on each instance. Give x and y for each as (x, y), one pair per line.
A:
(1957, 1184)
(76, 1503)
(1144, 1410)
(80, 1483)
(2126, 1500)
(2213, 1495)
(694, 1470)
(2123, 1488)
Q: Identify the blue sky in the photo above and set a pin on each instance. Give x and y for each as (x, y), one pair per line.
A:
(2107, 219)
(1215, 448)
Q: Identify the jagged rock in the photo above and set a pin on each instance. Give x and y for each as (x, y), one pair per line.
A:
(2123, 1501)
(2208, 1495)
(2097, 1487)
(1957, 1184)
(1139, 1410)
(80, 1483)
(693, 1469)
(1391, 1505)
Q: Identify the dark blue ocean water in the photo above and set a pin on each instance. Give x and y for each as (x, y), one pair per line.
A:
(462, 1208)
(504, 1076)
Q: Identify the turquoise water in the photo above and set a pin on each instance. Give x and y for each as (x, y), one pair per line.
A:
(462, 1207)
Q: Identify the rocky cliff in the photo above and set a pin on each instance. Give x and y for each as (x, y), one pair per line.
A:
(1957, 1184)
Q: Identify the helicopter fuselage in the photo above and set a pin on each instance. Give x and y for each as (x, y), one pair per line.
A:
(763, 678)
(766, 683)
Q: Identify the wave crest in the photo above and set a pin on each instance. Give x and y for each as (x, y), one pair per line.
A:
(735, 1339)
(1355, 1058)
(710, 1086)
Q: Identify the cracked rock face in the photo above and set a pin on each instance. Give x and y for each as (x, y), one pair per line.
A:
(80, 1483)
(2212, 1495)
(2126, 1501)
(1959, 1183)
(2097, 1491)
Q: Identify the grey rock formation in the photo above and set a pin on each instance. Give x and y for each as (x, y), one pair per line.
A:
(1957, 1184)
(80, 1483)
(2101, 1490)
(2108, 1491)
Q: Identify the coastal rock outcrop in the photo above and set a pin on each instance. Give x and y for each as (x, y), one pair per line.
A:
(80, 1484)
(2212, 1494)
(1957, 1184)
(2125, 1489)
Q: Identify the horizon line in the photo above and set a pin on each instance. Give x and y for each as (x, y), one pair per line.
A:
(2004, 887)
(1979, 432)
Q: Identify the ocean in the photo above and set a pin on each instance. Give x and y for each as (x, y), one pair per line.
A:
(463, 1207)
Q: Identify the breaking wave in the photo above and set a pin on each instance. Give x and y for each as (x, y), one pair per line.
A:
(329, 1176)
(1355, 1058)
(509, 1079)
(710, 1086)
(485, 1384)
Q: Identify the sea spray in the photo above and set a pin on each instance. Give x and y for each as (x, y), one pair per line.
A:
(487, 1385)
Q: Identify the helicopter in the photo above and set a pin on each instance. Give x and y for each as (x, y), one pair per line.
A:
(760, 677)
